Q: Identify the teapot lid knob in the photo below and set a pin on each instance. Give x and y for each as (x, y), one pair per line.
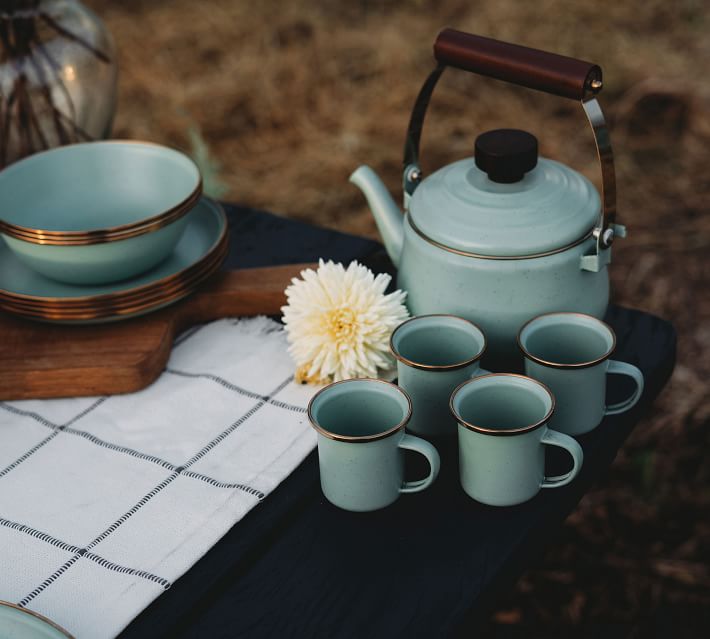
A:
(506, 155)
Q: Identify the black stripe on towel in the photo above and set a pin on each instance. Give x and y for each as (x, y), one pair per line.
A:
(28, 454)
(58, 543)
(225, 433)
(238, 389)
(38, 534)
(28, 413)
(129, 513)
(83, 551)
(152, 493)
(120, 449)
(44, 422)
(220, 484)
(109, 565)
(48, 582)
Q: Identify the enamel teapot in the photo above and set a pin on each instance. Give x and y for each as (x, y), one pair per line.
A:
(506, 235)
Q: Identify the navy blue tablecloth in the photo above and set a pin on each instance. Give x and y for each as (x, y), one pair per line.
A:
(430, 565)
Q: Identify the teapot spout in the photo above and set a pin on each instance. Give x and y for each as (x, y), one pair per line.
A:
(386, 213)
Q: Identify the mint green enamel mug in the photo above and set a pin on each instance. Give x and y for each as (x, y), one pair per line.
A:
(361, 442)
(435, 353)
(569, 353)
(502, 426)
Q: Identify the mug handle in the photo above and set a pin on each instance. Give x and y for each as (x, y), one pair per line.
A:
(423, 447)
(622, 368)
(553, 438)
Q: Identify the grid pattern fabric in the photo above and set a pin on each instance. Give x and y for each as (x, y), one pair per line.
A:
(106, 501)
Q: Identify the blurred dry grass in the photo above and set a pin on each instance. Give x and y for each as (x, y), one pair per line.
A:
(291, 97)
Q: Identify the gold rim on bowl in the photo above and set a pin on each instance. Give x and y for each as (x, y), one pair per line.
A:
(114, 233)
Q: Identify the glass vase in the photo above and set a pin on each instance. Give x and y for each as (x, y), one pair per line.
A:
(58, 76)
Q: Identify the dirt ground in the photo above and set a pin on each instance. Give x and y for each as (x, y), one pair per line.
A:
(282, 100)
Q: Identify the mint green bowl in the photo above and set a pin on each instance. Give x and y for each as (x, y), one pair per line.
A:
(97, 212)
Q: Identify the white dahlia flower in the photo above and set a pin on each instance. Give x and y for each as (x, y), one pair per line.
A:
(339, 322)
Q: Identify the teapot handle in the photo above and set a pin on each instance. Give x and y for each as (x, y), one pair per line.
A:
(531, 68)
(549, 72)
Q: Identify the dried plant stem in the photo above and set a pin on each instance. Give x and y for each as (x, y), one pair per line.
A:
(51, 22)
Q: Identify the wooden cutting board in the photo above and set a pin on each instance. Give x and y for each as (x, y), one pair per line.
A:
(39, 360)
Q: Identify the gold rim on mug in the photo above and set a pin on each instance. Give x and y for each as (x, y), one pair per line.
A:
(111, 296)
(549, 364)
(162, 298)
(114, 233)
(434, 367)
(32, 613)
(360, 439)
(129, 296)
(506, 432)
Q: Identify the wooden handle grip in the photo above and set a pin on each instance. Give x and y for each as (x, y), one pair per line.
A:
(531, 68)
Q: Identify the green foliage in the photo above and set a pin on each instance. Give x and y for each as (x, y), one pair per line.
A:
(212, 183)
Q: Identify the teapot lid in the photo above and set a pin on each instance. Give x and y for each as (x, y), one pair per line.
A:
(505, 203)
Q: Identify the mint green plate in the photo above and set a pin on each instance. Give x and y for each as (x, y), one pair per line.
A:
(206, 225)
(19, 623)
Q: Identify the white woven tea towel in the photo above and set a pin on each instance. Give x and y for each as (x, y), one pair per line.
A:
(105, 502)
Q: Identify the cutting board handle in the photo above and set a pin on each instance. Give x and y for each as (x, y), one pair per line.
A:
(243, 293)
(52, 360)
